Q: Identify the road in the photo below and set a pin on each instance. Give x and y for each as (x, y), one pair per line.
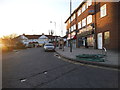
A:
(34, 68)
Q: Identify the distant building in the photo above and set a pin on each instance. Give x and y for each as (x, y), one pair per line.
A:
(94, 24)
(36, 39)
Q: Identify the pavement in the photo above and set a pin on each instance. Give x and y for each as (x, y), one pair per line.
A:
(111, 58)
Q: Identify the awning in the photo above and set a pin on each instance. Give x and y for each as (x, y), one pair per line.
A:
(75, 37)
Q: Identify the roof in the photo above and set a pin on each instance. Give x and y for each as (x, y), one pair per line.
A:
(64, 36)
(37, 36)
(32, 36)
(76, 10)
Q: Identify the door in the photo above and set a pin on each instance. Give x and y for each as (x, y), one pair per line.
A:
(100, 44)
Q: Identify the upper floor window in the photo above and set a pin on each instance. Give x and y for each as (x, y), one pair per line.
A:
(83, 22)
(74, 27)
(79, 12)
(71, 18)
(79, 25)
(83, 7)
(89, 19)
(89, 3)
(74, 16)
(103, 11)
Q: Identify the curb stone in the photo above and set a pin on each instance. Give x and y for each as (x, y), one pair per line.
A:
(89, 62)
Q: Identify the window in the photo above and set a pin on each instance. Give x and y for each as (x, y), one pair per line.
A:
(71, 28)
(107, 37)
(90, 41)
(89, 3)
(74, 27)
(103, 11)
(83, 22)
(79, 12)
(83, 7)
(74, 16)
(89, 19)
(79, 25)
(71, 18)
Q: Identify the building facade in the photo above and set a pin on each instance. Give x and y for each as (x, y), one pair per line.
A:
(37, 39)
(94, 24)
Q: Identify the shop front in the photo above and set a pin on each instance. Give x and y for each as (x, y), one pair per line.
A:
(85, 37)
(72, 39)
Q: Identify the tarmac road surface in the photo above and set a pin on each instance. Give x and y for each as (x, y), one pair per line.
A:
(34, 68)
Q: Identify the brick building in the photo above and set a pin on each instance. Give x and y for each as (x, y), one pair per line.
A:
(94, 24)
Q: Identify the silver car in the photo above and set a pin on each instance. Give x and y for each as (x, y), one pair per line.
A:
(49, 47)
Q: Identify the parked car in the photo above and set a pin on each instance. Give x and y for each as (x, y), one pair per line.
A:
(49, 47)
(41, 45)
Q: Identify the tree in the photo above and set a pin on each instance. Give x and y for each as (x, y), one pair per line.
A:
(8, 41)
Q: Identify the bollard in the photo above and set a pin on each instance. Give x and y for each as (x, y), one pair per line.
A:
(105, 53)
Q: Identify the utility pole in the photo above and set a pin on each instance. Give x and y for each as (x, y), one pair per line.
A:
(55, 33)
(70, 26)
(95, 26)
(61, 28)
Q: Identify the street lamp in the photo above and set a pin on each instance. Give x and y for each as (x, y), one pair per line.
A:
(70, 25)
(55, 32)
(55, 25)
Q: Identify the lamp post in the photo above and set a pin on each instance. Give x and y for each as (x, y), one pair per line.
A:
(55, 32)
(70, 25)
(95, 25)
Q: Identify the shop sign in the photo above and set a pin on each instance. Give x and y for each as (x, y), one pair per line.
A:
(73, 34)
(91, 10)
(86, 30)
(89, 28)
(86, 33)
(68, 37)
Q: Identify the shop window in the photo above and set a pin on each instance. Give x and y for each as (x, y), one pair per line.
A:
(90, 41)
(107, 37)
(103, 11)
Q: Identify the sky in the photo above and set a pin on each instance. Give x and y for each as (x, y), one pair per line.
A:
(34, 16)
